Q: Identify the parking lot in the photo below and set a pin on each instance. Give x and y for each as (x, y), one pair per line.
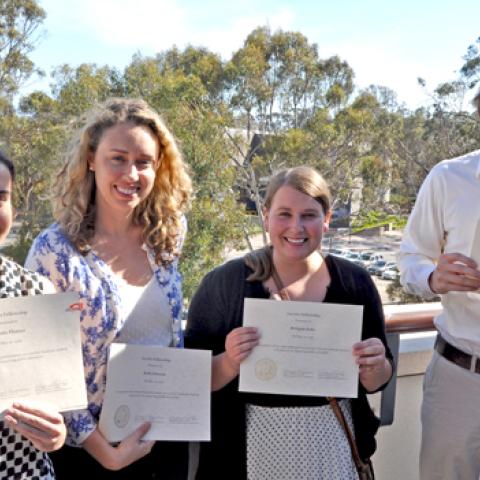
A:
(386, 245)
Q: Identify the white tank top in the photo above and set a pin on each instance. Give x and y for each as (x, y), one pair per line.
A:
(147, 314)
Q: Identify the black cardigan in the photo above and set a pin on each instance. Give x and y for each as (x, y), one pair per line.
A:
(217, 308)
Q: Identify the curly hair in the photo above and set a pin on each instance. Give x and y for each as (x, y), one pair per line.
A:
(159, 215)
(306, 180)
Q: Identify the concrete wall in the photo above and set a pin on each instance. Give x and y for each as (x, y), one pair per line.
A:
(398, 448)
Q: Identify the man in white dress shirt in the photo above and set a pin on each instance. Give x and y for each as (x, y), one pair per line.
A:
(440, 254)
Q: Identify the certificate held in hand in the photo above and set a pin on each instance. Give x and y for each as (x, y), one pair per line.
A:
(167, 387)
(40, 351)
(305, 348)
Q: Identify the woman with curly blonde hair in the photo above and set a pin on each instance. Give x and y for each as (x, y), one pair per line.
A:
(119, 203)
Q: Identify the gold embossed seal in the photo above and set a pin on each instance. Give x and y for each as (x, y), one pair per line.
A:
(265, 369)
(122, 416)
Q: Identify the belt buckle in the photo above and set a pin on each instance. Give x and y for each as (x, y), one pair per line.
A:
(473, 363)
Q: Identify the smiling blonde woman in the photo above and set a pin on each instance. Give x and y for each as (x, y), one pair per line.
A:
(262, 436)
(119, 202)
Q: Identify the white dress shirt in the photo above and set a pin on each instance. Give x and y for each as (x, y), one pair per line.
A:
(444, 220)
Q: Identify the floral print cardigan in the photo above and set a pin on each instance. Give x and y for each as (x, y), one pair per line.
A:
(55, 257)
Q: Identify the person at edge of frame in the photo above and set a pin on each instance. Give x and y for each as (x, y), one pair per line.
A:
(23, 448)
(440, 255)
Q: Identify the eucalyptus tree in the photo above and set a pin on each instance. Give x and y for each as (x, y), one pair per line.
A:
(20, 21)
(278, 81)
(470, 70)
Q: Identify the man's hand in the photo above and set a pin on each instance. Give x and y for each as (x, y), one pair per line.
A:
(455, 273)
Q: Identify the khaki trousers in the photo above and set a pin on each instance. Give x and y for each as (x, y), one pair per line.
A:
(450, 422)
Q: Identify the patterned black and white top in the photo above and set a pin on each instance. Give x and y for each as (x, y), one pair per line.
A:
(285, 443)
(19, 459)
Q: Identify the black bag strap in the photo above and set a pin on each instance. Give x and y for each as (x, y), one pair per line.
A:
(359, 463)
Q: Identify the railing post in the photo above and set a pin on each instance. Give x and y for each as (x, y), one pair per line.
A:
(407, 318)
(387, 399)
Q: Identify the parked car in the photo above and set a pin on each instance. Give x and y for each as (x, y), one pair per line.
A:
(360, 260)
(381, 268)
(339, 252)
(353, 257)
(390, 273)
(367, 258)
(377, 267)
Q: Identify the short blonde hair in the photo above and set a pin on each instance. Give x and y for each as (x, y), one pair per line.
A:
(160, 214)
(304, 179)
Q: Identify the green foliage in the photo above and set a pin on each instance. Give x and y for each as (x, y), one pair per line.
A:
(470, 70)
(78, 89)
(19, 21)
(215, 219)
(303, 106)
(199, 63)
(34, 143)
(373, 219)
(278, 80)
(18, 251)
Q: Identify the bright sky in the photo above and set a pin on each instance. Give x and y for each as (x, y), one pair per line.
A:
(385, 42)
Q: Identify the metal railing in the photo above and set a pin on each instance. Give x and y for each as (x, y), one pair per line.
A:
(410, 318)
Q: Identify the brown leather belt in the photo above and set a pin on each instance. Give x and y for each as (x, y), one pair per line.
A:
(460, 358)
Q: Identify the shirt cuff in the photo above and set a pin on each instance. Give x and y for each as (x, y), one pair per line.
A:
(80, 424)
(421, 286)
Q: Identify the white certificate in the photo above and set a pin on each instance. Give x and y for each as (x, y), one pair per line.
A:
(40, 351)
(305, 348)
(168, 387)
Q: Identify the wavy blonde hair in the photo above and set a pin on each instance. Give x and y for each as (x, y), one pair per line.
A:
(306, 180)
(159, 215)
